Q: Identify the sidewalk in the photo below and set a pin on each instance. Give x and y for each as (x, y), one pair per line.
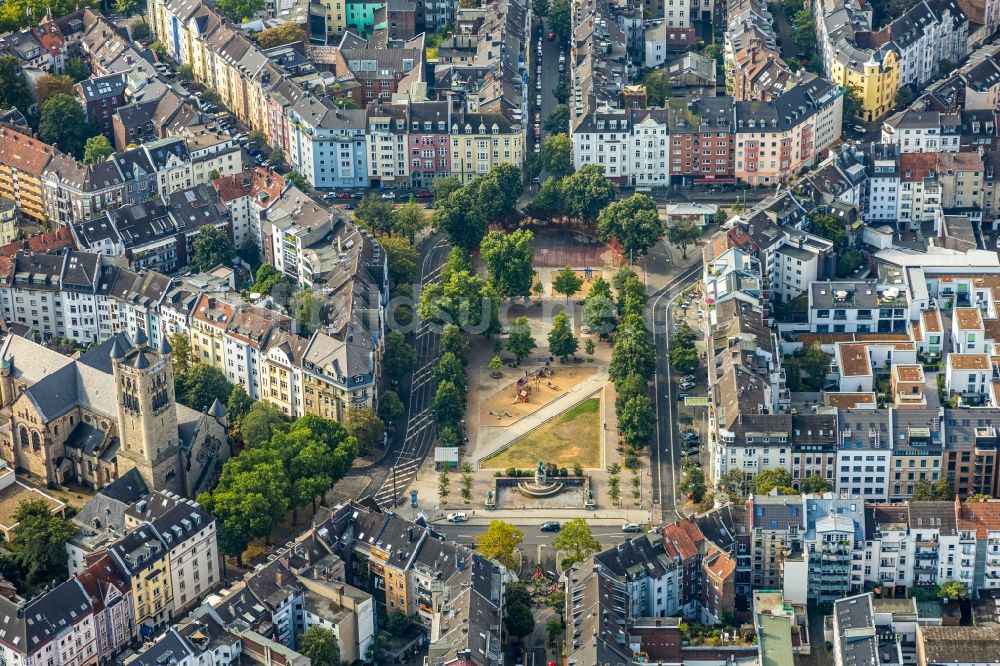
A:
(602, 517)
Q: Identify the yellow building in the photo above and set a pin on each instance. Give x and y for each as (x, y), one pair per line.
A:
(144, 557)
(338, 375)
(481, 141)
(874, 74)
(209, 322)
(281, 372)
(22, 163)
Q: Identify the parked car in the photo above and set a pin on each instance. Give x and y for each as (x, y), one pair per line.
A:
(631, 527)
(686, 386)
(457, 517)
(388, 195)
(423, 194)
(859, 129)
(551, 36)
(344, 195)
(681, 396)
(688, 378)
(550, 526)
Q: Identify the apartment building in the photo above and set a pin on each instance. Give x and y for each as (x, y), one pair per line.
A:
(970, 458)
(22, 165)
(882, 195)
(247, 195)
(57, 626)
(914, 131)
(192, 552)
(481, 141)
(210, 320)
(907, 51)
(787, 134)
(777, 524)
(281, 372)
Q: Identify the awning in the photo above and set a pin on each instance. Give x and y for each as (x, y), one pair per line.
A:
(715, 179)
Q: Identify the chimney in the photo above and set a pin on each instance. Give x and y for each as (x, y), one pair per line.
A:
(279, 578)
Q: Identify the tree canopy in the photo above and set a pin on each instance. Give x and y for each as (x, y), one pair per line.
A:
(769, 479)
(97, 149)
(286, 33)
(499, 542)
(557, 155)
(576, 540)
(520, 342)
(399, 358)
(562, 342)
(566, 282)
(49, 85)
(366, 427)
(200, 386)
(211, 248)
(587, 192)
(634, 222)
(375, 213)
(288, 470)
(557, 121)
(508, 259)
(458, 216)
(63, 124)
(14, 89)
(238, 11)
(320, 645)
(39, 542)
(657, 84)
(683, 234)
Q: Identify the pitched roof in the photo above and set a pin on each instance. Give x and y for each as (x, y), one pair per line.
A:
(23, 152)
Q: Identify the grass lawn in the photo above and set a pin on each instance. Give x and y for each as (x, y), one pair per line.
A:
(572, 437)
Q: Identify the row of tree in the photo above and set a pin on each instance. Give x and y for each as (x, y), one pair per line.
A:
(451, 383)
(581, 194)
(464, 213)
(282, 466)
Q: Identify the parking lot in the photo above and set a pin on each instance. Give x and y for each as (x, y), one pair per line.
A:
(693, 420)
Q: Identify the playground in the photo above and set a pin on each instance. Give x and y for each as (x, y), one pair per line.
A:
(529, 392)
(572, 437)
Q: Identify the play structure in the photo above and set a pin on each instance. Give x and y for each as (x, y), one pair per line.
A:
(522, 390)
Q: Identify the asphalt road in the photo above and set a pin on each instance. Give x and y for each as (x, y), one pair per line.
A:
(390, 483)
(533, 537)
(665, 465)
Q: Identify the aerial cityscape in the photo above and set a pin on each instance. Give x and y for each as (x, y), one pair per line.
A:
(500, 333)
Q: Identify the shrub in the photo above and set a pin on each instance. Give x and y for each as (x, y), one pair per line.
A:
(511, 471)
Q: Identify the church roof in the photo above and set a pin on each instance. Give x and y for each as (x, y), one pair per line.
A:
(217, 410)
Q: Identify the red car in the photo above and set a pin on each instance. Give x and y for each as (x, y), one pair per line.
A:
(343, 195)
(551, 36)
(423, 194)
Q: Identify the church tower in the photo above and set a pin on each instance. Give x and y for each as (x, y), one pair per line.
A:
(147, 414)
